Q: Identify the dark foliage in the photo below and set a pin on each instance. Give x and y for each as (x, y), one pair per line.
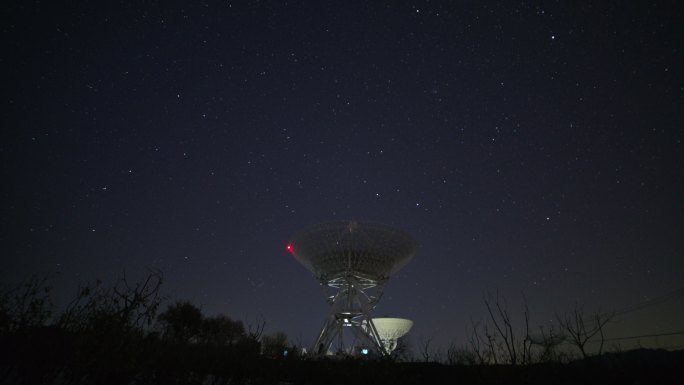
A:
(109, 336)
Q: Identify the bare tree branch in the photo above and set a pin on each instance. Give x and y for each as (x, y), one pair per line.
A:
(579, 332)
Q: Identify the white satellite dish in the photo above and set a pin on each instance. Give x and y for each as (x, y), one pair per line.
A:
(390, 330)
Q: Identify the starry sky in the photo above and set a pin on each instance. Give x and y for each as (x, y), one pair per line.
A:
(531, 148)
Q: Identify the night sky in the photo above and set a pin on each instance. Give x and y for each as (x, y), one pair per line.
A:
(534, 148)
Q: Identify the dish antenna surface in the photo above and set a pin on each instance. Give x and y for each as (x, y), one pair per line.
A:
(353, 261)
(390, 330)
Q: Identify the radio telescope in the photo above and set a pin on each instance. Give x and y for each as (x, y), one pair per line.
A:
(353, 261)
(390, 330)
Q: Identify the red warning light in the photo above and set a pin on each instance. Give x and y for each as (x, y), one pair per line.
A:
(289, 248)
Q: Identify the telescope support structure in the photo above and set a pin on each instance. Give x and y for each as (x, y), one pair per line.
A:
(352, 300)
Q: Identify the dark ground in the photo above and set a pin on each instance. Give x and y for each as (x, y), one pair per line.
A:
(41, 358)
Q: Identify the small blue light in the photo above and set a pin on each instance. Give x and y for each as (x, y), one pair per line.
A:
(364, 351)
(285, 353)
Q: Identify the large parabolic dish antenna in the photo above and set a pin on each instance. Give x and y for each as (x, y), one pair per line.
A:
(353, 260)
(367, 250)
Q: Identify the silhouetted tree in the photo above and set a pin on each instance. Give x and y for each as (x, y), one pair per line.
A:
(273, 345)
(477, 344)
(581, 328)
(27, 305)
(124, 306)
(256, 329)
(181, 322)
(460, 355)
(98, 338)
(547, 340)
(428, 352)
(221, 330)
(517, 349)
(497, 340)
